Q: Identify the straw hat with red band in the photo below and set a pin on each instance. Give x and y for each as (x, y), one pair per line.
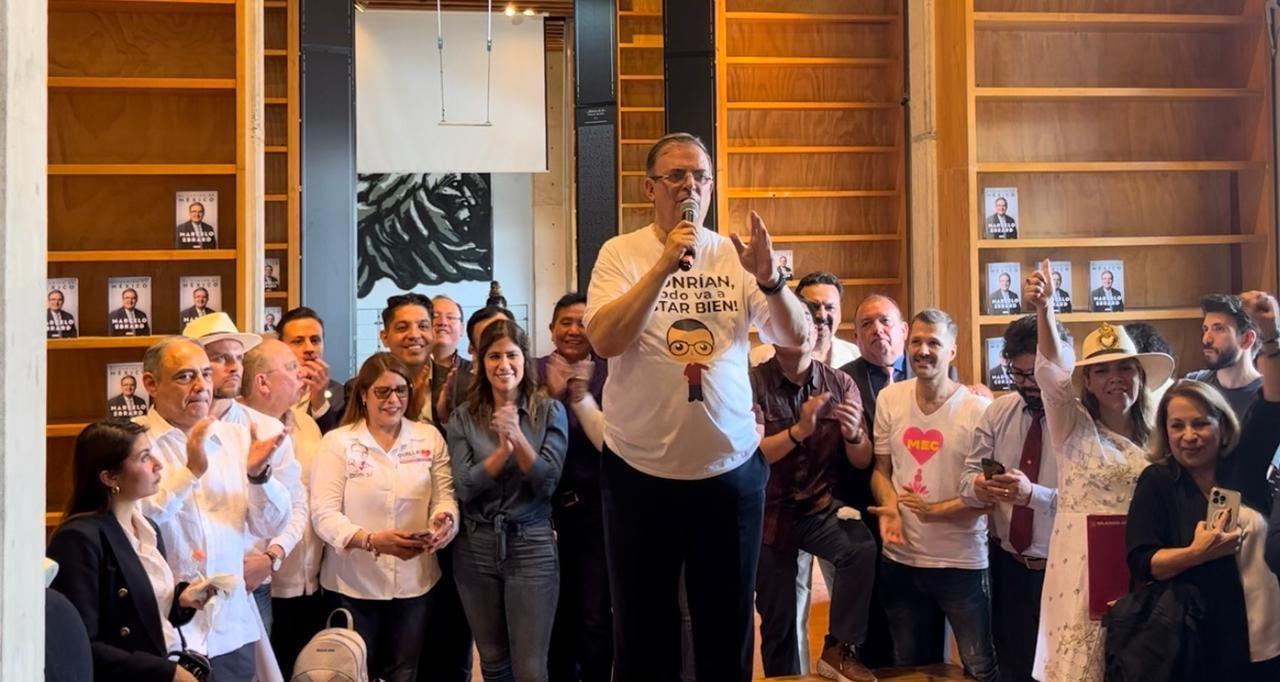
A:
(1109, 343)
(214, 327)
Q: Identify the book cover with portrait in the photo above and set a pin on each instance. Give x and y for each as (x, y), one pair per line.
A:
(998, 378)
(198, 296)
(271, 274)
(1000, 213)
(270, 317)
(129, 303)
(786, 262)
(1003, 280)
(195, 219)
(1060, 285)
(62, 308)
(1106, 286)
(126, 396)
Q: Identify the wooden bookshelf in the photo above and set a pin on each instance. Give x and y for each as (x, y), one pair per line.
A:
(640, 104)
(282, 203)
(146, 98)
(811, 135)
(1136, 130)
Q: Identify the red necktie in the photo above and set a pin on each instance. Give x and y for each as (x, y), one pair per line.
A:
(1023, 517)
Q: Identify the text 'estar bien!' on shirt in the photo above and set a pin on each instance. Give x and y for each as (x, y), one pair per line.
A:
(678, 399)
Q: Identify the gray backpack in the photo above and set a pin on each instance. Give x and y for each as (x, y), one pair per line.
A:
(335, 654)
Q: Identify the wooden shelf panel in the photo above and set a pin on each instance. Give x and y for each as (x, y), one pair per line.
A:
(824, 238)
(141, 255)
(799, 149)
(800, 193)
(813, 105)
(640, 110)
(275, 197)
(144, 5)
(64, 429)
(275, 100)
(860, 281)
(810, 18)
(1099, 242)
(1109, 21)
(1135, 315)
(1115, 166)
(639, 77)
(277, 295)
(84, 342)
(810, 61)
(142, 169)
(633, 205)
(137, 83)
(639, 14)
(276, 246)
(275, 53)
(640, 46)
(994, 94)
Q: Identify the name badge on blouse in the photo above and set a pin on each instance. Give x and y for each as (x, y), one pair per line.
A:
(411, 455)
(358, 462)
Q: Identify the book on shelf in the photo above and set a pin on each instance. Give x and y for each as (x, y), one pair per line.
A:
(1003, 280)
(62, 307)
(998, 378)
(126, 395)
(1000, 212)
(198, 296)
(128, 300)
(195, 219)
(1106, 286)
(785, 260)
(271, 274)
(1060, 283)
(270, 316)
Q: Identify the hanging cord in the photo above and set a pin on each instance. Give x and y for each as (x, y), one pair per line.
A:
(1272, 10)
(488, 79)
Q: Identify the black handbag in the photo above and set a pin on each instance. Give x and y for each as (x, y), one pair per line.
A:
(1153, 634)
(193, 662)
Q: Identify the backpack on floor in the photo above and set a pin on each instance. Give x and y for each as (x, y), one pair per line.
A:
(335, 654)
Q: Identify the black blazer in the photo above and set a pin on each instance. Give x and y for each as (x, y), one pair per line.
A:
(101, 574)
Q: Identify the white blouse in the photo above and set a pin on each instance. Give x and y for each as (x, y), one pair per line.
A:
(143, 538)
(356, 485)
(1261, 590)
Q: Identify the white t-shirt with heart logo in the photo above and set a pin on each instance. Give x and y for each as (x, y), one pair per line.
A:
(928, 459)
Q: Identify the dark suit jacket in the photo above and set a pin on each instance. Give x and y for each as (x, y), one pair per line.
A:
(337, 405)
(188, 314)
(52, 318)
(1003, 300)
(187, 238)
(99, 571)
(1065, 299)
(119, 315)
(127, 405)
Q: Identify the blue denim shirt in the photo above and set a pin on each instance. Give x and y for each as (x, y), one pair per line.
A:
(521, 497)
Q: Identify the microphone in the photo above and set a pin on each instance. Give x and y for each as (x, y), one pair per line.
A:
(689, 212)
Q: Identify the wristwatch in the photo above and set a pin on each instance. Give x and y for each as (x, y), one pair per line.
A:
(261, 478)
(276, 560)
(771, 290)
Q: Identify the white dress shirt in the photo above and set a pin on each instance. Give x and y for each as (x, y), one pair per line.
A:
(842, 353)
(300, 573)
(208, 524)
(999, 436)
(356, 485)
(143, 538)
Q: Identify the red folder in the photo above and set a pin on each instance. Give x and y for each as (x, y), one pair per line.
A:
(1108, 570)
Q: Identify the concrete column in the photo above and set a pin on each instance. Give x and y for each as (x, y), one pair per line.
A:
(552, 220)
(23, 249)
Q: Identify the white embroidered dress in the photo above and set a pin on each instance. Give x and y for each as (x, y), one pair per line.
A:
(1097, 472)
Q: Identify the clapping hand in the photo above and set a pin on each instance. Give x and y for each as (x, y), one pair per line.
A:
(757, 257)
(197, 460)
(261, 451)
(1262, 308)
(849, 412)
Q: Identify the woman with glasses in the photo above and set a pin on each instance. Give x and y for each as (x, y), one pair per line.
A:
(111, 563)
(509, 441)
(382, 501)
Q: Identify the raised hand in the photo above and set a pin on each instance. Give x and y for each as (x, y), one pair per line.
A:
(197, 460)
(1036, 289)
(807, 421)
(757, 257)
(1262, 308)
(849, 412)
(260, 451)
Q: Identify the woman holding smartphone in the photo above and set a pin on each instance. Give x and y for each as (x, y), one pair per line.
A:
(111, 563)
(382, 501)
(509, 442)
(1177, 532)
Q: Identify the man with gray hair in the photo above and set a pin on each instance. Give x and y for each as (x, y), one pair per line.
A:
(934, 562)
(216, 494)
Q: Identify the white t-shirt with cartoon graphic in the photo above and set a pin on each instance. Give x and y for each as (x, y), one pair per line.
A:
(677, 403)
(928, 459)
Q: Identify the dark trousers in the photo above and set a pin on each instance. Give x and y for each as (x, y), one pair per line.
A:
(446, 642)
(712, 527)
(919, 600)
(849, 547)
(392, 632)
(1015, 608)
(235, 666)
(297, 620)
(582, 639)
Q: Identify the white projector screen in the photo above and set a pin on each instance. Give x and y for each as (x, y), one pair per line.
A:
(398, 94)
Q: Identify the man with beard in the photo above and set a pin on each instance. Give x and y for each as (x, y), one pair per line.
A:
(826, 290)
(1230, 341)
(1011, 432)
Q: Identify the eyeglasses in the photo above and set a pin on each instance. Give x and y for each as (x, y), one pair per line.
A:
(677, 176)
(1020, 376)
(384, 392)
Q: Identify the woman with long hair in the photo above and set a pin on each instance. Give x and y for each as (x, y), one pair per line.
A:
(1199, 449)
(111, 563)
(382, 501)
(508, 443)
(1097, 438)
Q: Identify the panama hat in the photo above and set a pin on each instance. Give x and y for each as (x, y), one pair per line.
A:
(1109, 343)
(214, 327)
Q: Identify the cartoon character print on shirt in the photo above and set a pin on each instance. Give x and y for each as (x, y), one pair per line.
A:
(691, 342)
(922, 445)
(358, 462)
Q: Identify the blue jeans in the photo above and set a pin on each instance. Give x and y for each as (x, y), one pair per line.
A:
(510, 603)
(918, 599)
(392, 633)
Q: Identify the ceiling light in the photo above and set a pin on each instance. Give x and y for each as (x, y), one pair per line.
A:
(528, 11)
(510, 10)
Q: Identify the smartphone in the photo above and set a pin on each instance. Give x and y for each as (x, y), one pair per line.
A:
(1223, 500)
(423, 535)
(991, 468)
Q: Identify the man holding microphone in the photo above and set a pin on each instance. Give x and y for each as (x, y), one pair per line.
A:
(682, 478)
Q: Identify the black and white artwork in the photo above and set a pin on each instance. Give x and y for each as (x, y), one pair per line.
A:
(418, 229)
